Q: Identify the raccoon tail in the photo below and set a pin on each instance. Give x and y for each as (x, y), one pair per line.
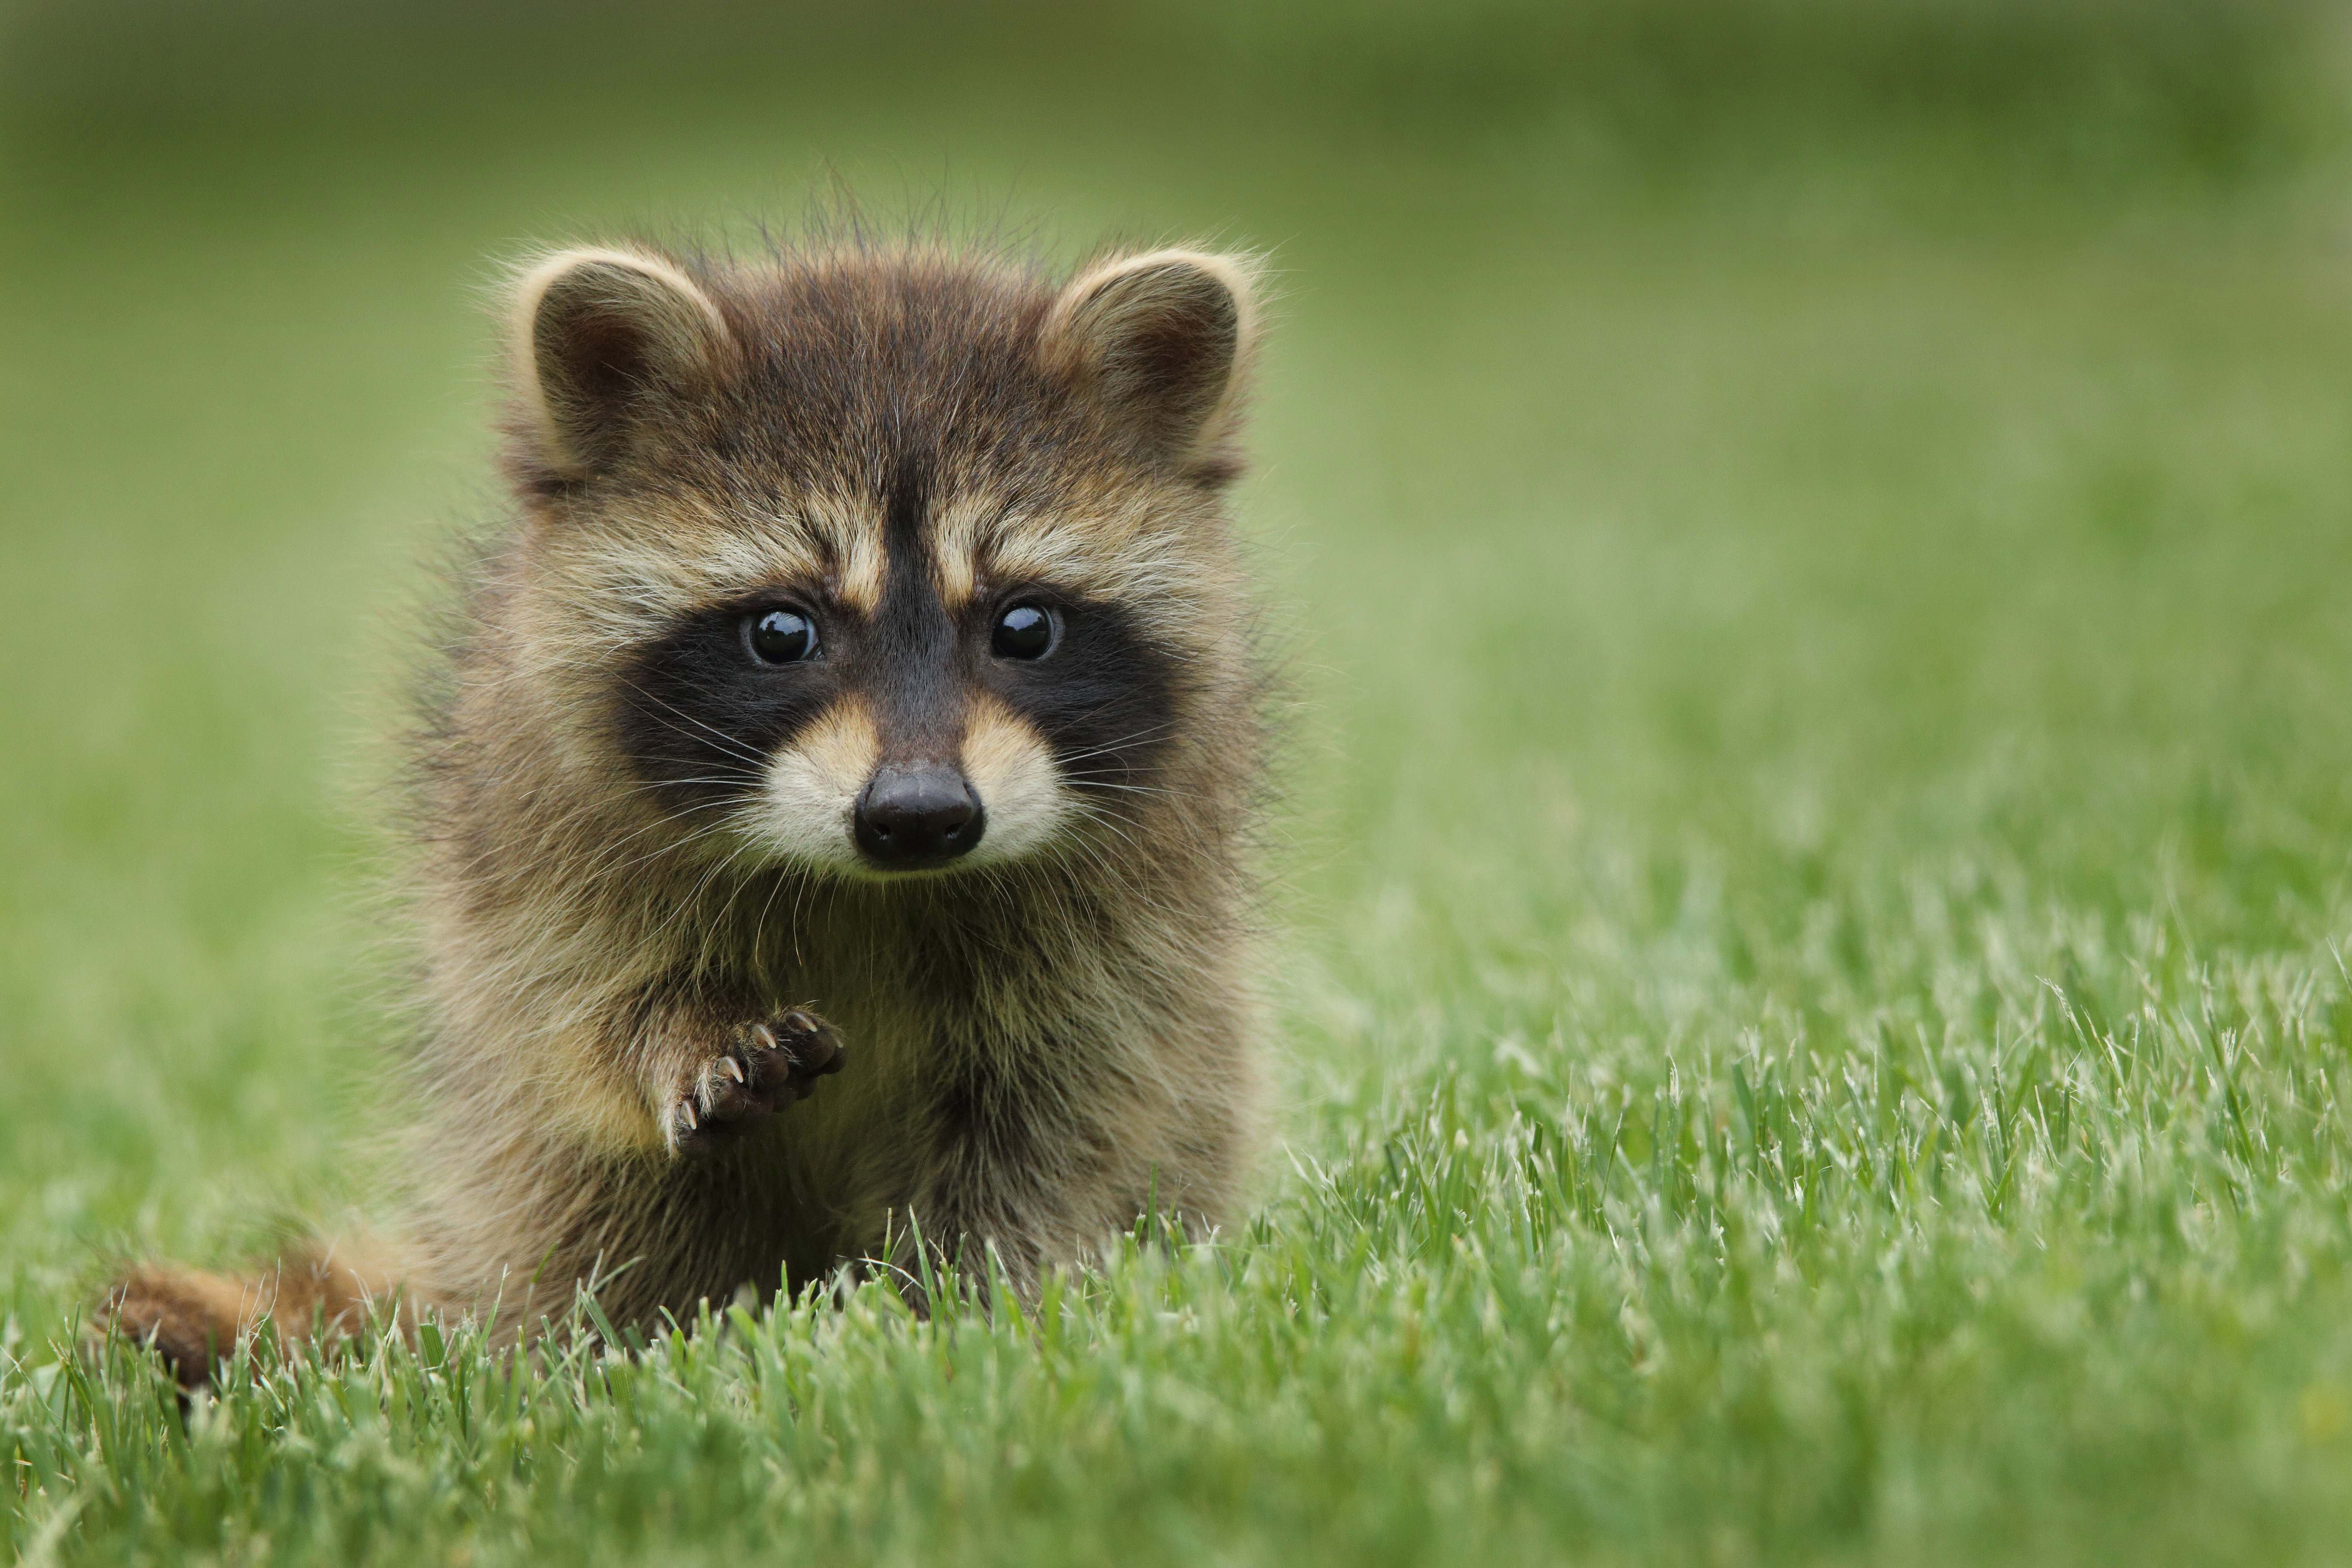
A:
(195, 1319)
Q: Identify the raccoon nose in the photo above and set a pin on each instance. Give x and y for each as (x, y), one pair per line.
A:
(918, 816)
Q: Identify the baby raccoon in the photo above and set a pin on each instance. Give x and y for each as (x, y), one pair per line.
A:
(835, 825)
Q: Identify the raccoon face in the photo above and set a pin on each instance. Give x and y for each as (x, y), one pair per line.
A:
(885, 564)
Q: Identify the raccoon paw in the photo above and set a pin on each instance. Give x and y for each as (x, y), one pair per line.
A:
(769, 1066)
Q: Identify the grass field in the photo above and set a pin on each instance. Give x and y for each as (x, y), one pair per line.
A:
(1812, 996)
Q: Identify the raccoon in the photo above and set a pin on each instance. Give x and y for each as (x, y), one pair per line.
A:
(834, 824)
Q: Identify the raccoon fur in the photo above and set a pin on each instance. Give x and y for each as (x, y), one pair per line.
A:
(835, 827)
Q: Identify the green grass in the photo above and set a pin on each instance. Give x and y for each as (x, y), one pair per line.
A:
(1813, 1000)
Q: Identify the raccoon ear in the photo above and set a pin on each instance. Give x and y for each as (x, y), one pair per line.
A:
(1162, 341)
(601, 338)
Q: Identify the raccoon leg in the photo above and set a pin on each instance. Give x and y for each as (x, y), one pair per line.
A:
(514, 1240)
(716, 1075)
(1033, 1157)
(1010, 1184)
(193, 1319)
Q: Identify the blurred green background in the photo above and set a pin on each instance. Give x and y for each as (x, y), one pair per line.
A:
(1802, 530)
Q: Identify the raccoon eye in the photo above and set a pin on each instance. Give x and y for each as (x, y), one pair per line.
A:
(780, 637)
(1024, 631)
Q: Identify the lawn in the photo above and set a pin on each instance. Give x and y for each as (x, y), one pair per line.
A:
(1812, 883)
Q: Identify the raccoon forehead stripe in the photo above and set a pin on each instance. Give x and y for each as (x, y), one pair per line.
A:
(1126, 554)
(858, 580)
(641, 571)
(846, 531)
(958, 533)
(1107, 547)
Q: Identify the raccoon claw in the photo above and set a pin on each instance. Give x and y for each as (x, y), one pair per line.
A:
(770, 1066)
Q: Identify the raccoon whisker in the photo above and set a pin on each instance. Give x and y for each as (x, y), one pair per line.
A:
(1096, 856)
(1000, 896)
(603, 872)
(602, 867)
(729, 744)
(726, 909)
(667, 819)
(1121, 874)
(715, 928)
(760, 927)
(587, 812)
(1104, 819)
(1112, 820)
(1111, 825)
(709, 831)
(1121, 745)
(558, 825)
(729, 750)
(1100, 708)
(1114, 749)
(1089, 782)
(591, 810)
(692, 902)
(800, 896)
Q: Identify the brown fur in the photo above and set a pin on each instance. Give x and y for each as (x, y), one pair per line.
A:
(193, 1318)
(1038, 1045)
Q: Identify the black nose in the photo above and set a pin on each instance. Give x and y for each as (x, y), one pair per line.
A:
(916, 816)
